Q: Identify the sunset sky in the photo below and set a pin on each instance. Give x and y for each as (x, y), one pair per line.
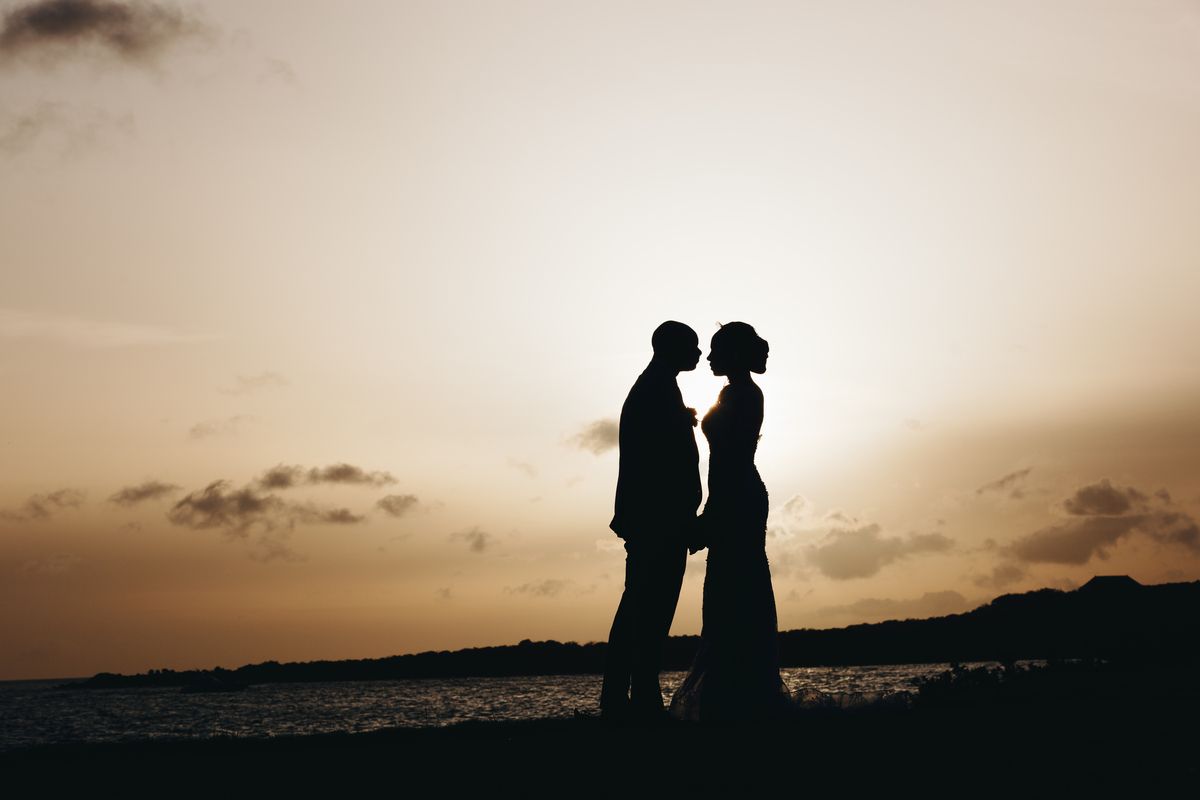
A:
(316, 318)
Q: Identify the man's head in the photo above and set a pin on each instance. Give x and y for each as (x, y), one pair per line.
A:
(676, 346)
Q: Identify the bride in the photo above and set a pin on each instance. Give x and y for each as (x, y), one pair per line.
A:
(735, 674)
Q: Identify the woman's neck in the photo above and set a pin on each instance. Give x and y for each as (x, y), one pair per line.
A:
(739, 378)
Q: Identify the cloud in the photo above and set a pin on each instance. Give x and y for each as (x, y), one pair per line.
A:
(43, 506)
(1105, 499)
(551, 587)
(523, 466)
(476, 539)
(1000, 576)
(80, 332)
(220, 506)
(348, 473)
(281, 476)
(49, 31)
(150, 490)
(56, 564)
(1010, 484)
(872, 609)
(309, 514)
(236, 511)
(67, 131)
(397, 505)
(862, 552)
(444, 593)
(284, 476)
(598, 436)
(1099, 516)
(253, 383)
(219, 427)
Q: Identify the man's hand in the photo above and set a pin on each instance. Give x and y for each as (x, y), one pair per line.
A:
(696, 534)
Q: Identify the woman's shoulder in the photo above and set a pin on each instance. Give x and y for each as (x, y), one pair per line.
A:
(748, 392)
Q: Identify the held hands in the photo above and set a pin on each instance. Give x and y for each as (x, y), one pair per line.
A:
(692, 413)
(696, 534)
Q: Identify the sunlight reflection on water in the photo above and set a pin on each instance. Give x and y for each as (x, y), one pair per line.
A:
(35, 712)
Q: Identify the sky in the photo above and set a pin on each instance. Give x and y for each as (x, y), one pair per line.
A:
(316, 318)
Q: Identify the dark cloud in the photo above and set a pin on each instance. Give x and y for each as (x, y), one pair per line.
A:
(597, 437)
(253, 383)
(551, 587)
(236, 511)
(284, 476)
(150, 490)
(476, 539)
(43, 506)
(1001, 575)
(348, 473)
(872, 609)
(281, 476)
(1010, 484)
(52, 30)
(862, 552)
(1105, 499)
(219, 427)
(218, 505)
(1099, 516)
(397, 505)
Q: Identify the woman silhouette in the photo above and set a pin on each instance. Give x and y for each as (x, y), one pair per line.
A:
(735, 674)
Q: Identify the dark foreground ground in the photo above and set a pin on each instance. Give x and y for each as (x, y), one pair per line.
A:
(975, 733)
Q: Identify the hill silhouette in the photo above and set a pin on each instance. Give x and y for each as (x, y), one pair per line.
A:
(1110, 617)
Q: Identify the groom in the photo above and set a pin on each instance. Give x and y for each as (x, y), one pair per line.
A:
(658, 492)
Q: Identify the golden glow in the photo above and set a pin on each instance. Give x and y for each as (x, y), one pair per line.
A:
(433, 240)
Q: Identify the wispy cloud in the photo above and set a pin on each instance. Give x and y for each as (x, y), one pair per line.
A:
(44, 506)
(862, 552)
(550, 587)
(529, 470)
(598, 436)
(874, 609)
(476, 540)
(246, 384)
(219, 427)
(1010, 484)
(80, 332)
(59, 128)
(149, 490)
(56, 564)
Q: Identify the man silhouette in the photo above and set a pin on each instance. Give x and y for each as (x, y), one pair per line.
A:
(658, 492)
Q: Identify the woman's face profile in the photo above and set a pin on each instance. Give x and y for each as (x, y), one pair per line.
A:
(717, 358)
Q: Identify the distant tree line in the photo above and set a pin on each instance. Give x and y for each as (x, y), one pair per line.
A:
(1111, 618)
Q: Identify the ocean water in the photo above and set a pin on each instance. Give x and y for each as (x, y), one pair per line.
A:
(37, 712)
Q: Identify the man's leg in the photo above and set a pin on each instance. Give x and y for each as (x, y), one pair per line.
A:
(660, 594)
(619, 655)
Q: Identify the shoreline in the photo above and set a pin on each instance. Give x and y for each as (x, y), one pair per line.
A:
(971, 748)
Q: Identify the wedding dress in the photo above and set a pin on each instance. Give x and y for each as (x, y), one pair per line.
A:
(735, 674)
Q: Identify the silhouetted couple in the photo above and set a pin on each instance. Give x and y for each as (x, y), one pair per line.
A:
(735, 674)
